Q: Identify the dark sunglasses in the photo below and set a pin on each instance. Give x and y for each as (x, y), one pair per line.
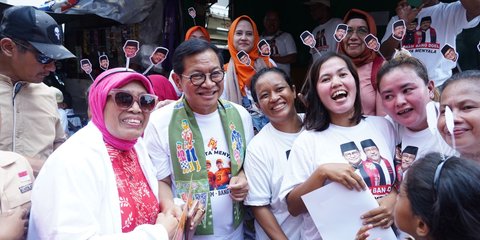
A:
(125, 100)
(41, 58)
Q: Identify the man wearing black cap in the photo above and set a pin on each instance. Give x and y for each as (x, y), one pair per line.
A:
(30, 42)
(449, 53)
(398, 29)
(429, 35)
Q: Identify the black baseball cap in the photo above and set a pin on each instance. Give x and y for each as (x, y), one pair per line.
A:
(36, 27)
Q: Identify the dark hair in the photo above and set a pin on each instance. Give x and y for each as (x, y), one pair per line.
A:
(316, 115)
(397, 62)
(470, 75)
(264, 71)
(189, 48)
(453, 211)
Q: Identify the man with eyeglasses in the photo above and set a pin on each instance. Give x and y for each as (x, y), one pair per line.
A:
(30, 43)
(204, 128)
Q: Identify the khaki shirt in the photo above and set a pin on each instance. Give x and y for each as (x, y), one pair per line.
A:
(16, 178)
(29, 123)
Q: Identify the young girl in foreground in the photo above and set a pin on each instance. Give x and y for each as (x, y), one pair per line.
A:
(438, 200)
(336, 131)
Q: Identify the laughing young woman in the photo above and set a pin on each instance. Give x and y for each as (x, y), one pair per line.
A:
(335, 127)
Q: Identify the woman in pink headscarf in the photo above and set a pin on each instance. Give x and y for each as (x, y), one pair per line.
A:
(101, 182)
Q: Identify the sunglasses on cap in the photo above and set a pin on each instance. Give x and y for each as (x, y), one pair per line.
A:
(124, 100)
(41, 58)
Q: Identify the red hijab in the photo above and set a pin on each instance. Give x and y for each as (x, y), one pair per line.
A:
(367, 55)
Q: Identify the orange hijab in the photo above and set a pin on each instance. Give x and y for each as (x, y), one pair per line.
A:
(367, 55)
(244, 73)
(195, 28)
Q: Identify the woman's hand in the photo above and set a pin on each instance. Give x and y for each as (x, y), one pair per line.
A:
(344, 174)
(381, 216)
(168, 221)
(238, 187)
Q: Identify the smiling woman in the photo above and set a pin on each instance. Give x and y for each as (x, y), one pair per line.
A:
(243, 36)
(334, 127)
(118, 191)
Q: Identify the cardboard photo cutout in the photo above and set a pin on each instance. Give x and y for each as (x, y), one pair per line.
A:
(372, 42)
(192, 12)
(131, 48)
(243, 57)
(308, 39)
(158, 55)
(86, 66)
(398, 29)
(340, 32)
(264, 48)
(103, 62)
(478, 46)
(449, 53)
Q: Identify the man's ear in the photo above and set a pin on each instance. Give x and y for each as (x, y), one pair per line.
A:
(178, 80)
(422, 228)
(7, 46)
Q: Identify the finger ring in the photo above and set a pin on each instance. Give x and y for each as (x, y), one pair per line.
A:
(201, 209)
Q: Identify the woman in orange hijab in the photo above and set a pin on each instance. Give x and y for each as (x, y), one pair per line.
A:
(197, 32)
(243, 36)
(367, 61)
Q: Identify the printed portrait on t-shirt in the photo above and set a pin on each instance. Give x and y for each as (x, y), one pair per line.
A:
(429, 35)
(412, 35)
(373, 155)
(371, 172)
(409, 154)
(320, 39)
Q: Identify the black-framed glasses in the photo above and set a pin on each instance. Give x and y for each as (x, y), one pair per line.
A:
(361, 31)
(198, 79)
(41, 58)
(124, 100)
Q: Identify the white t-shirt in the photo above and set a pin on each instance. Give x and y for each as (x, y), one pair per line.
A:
(283, 45)
(324, 37)
(215, 144)
(423, 141)
(265, 162)
(312, 149)
(447, 21)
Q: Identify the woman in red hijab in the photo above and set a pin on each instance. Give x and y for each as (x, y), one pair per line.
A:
(367, 61)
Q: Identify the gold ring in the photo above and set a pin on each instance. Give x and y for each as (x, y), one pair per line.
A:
(201, 209)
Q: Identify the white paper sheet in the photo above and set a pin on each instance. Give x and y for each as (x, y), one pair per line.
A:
(336, 212)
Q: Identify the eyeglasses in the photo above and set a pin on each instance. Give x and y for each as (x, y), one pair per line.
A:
(125, 100)
(361, 31)
(198, 79)
(41, 58)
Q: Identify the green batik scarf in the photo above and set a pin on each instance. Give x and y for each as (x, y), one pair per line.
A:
(186, 143)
